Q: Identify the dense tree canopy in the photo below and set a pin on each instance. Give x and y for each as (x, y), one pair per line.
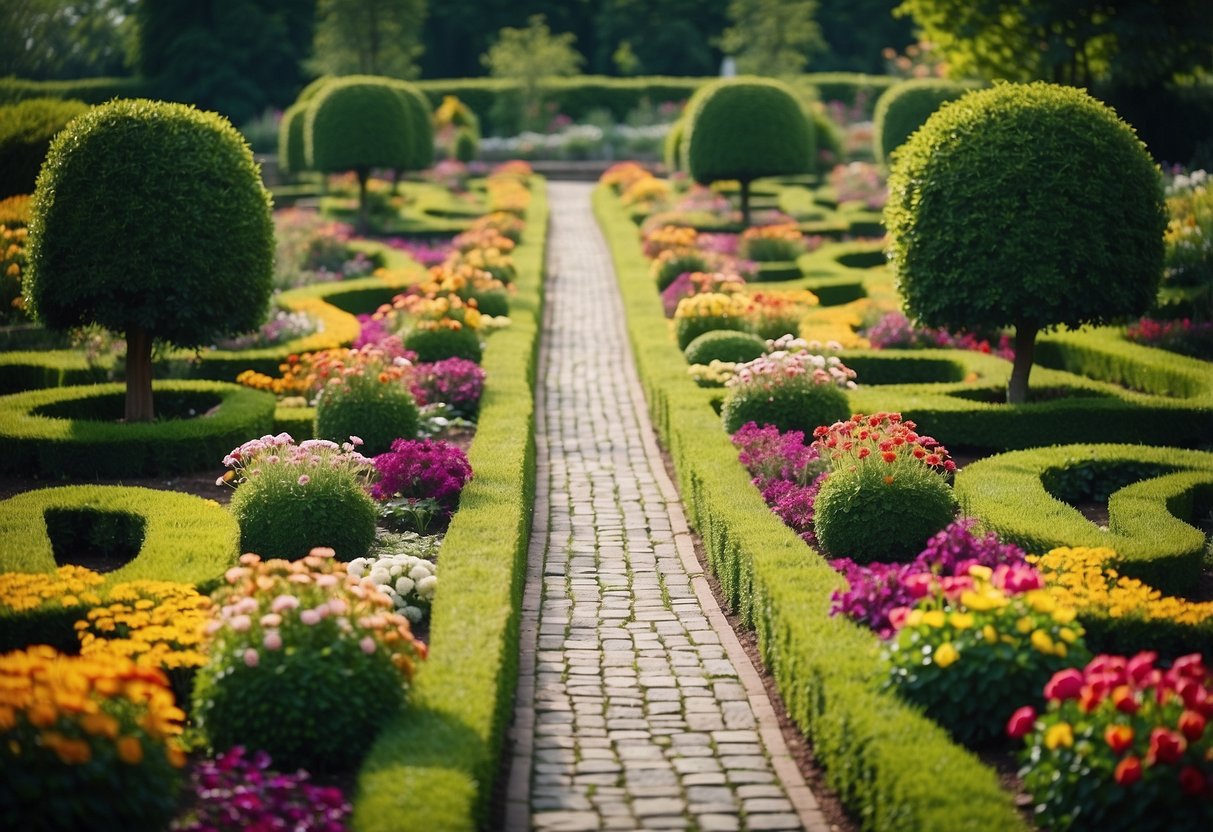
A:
(369, 37)
(772, 37)
(50, 39)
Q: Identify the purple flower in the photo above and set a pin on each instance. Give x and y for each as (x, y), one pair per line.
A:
(422, 469)
(457, 382)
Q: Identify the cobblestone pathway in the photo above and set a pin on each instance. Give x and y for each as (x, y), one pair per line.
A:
(637, 708)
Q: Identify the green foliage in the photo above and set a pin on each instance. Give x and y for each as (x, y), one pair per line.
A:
(377, 413)
(52, 39)
(904, 108)
(421, 126)
(722, 345)
(357, 123)
(1149, 523)
(370, 37)
(279, 518)
(440, 343)
(183, 537)
(466, 144)
(745, 129)
(292, 156)
(133, 202)
(772, 37)
(26, 130)
(857, 32)
(890, 765)
(671, 148)
(527, 55)
(690, 329)
(239, 61)
(75, 431)
(788, 406)
(881, 512)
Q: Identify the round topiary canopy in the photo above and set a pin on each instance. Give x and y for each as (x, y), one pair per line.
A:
(357, 123)
(904, 107)
(291, 151)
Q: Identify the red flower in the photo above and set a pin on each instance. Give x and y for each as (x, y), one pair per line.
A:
(1124, 700)
(864, 453)
(1165, 746)
(1141, 668)
(1118, 737)
(888, 456)
(1128, 771)
(1021, 722)
(1192, 725)
(1192, 781)
(1065, 684)
(1190, 666)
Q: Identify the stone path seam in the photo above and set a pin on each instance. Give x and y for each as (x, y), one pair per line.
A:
(637, 707)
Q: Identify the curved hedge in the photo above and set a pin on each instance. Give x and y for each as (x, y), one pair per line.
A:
(1145, 520)
(903, 108)
(57, 432)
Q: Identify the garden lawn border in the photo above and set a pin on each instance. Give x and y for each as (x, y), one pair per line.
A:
(894, 768)
(42, 445)
(185, 538)
(434, 767)
(1153, 544)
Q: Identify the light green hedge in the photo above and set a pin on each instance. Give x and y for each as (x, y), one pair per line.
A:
(435, 766)
(74, 431)
(1011, 494)
(893, 767)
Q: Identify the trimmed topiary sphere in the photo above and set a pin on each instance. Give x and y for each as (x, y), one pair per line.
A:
(280, 518)
(421, 126)
(26, 130)
(440, 342)
(292, 156)
(671, 150)
(1027, 206)
(724, 345)
(358, 123)
(744, 129)
(879, 512)
(789, 406)
(466, 145)
(378, 414)
(689, 330)
(904, 107)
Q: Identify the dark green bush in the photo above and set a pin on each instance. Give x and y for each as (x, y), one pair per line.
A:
(904, 108)
(467, 144)
(881, 512)
(357, 123)
(1070, 227)
(437, 344)
(421, 126)
(279, 518)
(671, 148)
(745, 129)
(88, 90)
(378, 414)
(291, 151)
(26, 130)
(688, 330)
(724, 345)
(793, 406)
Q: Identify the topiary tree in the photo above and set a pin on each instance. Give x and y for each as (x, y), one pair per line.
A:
(744, 129)
(671, 151)
(903, 108)
(357, 123)
(1030, 206)
(291, 151)
(150, 219)
(26, 130)
(421, 129)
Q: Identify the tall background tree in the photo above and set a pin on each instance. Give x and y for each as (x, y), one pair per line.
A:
(666, 37)
(234, 56)
(857, 31)
(529, 55)
(369, 37)
(772, 37)
(53, 39)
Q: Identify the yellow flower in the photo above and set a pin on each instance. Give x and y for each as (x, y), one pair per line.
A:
(1025, 625)
(961, 620)
(130, 750)
(1042, 641)
(946, 655)
(1060, 735)
(989, 633)
(934, 618)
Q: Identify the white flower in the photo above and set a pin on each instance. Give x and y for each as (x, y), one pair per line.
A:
(413, 614)
(379, 575)
(357, 567)
(427, 586)
(419, 572)
(405, 585)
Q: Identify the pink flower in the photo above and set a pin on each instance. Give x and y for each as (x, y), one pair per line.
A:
(1021, 722)
(304, 479)
(310, 617)
(251, 657)
(1065, 684)
(367, 644)
(272, 619)
(272, 640)
(241, 623)
(283, 603)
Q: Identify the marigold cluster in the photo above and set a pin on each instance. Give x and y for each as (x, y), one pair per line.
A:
(68, 586)
(153, 623)
(622, 175)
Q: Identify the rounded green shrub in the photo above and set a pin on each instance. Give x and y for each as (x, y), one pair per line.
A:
(790, 406)
(494, 302)
(281, 518)
(26, 130)
(313, 89)
(358, 123)
(904, 107)
(440, 342)
(827, 140)
(466, 144)
(724, 345)
(881, 512)
(744, 129)
(1027, 206)
(379, 414)
(291, 151)
(150, 219)
(671, 149)
(689, 330)
(421, 126)
(673, 262)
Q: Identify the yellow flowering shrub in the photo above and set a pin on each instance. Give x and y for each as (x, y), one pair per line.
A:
(504, 223)
(669, 237)
(507, 193)
(771, 314)
(68, 586)
(153, 623)
(619, 176)
(14, 236)
(86, 742)
(646, 193)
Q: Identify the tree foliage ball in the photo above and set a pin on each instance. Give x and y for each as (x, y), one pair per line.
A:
(903, 108)
(378, 415)
(421, 126)
(151, 215)
(744, 129)
(724, 345)
(1025, 204)
(292, 156)
(789, 406)
(357, 123)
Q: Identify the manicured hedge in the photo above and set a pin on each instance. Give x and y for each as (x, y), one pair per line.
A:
(184, 538)
(893, 767)
(88, 90)
(1147, 525)
(434, 767)
(59, 431)
(32, 370)
(904, 107)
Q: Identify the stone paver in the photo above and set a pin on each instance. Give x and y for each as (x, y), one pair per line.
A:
(637, 708)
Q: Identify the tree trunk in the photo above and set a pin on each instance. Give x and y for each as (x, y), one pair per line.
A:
(1025, 350)
(364, 214)
(139, 376)
(745, 204)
